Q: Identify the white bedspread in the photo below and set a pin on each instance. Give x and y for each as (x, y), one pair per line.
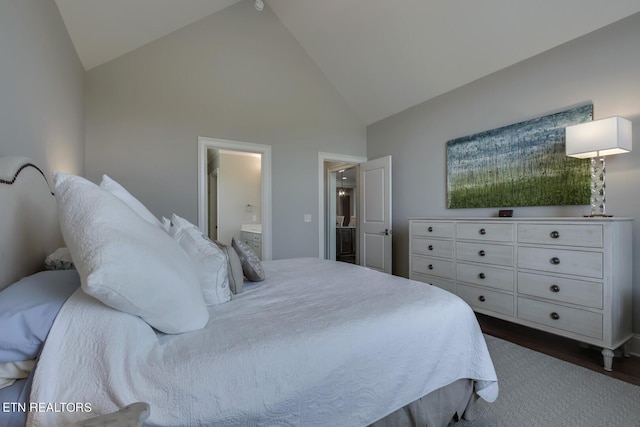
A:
(318, 343)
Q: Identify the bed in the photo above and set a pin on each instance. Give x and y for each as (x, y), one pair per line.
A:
(314, 343)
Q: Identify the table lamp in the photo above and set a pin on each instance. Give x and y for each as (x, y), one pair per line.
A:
(595, 140)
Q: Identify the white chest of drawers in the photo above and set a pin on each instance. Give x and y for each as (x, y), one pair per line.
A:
(568, 276)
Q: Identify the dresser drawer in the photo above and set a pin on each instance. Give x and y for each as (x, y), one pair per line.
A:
(485, 299)
(484, 275)
(584, 235)
(251, 237)
(432, 247)
(440, 282)
(579, 292)
(579, 263)
(496, 232)
(432, 229)
(485, 253)
(432, 266)
(569, 319)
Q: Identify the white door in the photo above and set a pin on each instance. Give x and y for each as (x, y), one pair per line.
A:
(375, 214)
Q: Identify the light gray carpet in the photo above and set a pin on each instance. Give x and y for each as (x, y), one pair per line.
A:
(537, 390)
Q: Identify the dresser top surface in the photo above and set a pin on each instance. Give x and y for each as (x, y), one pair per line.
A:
(528, 219)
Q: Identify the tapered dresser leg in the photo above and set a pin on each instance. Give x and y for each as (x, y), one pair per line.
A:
(607, 355)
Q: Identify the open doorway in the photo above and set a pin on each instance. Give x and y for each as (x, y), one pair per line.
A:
(373, 215)
(235, 197)
(341, 231)
(329, 167)
(234, 192)
(346, 194)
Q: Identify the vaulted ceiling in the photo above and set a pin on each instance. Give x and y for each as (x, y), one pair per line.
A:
(383, 56)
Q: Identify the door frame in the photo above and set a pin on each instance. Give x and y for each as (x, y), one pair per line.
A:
(206, 143)
(322, 193)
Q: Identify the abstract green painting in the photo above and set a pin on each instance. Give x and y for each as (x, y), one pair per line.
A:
(523, 164)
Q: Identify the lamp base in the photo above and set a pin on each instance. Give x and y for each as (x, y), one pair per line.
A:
(597, 216)
(597, 171)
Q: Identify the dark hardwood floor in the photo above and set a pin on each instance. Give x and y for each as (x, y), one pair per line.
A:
(624, 368)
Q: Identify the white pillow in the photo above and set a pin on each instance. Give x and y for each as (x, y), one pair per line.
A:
(126, 262)
(121, 193)
(165, 224)
(211, 262)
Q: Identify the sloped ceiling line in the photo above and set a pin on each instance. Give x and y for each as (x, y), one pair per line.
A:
(383, 56)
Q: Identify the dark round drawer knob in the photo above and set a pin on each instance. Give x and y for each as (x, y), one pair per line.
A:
(430, 229)
(554, 234)
(430, 267)
(554, 316)
(481, 253)
(481, 275)
(555, 260)
(483, 231)
(482, 298)
(555, 288)
(430, 247)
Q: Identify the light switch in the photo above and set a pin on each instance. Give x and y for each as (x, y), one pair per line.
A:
(307, 217)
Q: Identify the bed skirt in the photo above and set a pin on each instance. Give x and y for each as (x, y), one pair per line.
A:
(439, 408)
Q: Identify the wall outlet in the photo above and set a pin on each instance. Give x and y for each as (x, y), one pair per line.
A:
(307, 217)
(255, 218)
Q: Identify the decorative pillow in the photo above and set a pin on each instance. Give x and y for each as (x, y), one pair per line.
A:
(27, 310)
(234, 268)
(177, 224)
(251, 265)
(60, 259)
(12, 371)
(210, 261)
(121, 193)
(126, 262)
(166, 224)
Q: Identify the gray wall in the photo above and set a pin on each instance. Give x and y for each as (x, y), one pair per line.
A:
(601, 68)
(41, 83)
(240, 184)
(236, 75)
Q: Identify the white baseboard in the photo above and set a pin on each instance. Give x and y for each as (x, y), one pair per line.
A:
(634, 345)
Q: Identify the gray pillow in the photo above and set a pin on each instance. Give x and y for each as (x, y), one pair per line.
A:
(234, 268)
(251, 265)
